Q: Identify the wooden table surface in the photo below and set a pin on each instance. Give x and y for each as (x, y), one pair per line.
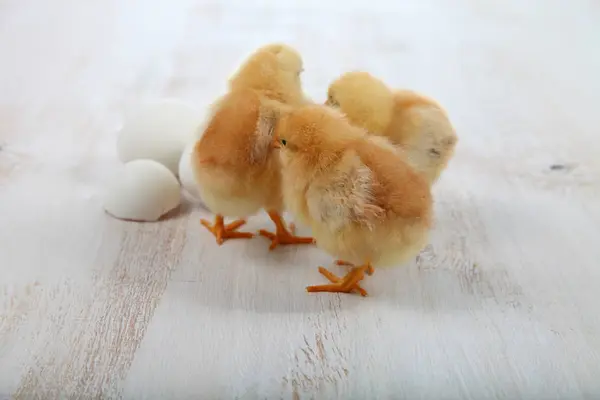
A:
(503, 304)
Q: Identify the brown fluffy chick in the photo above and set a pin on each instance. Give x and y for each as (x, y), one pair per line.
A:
(234, 164)
(363, 201)
(416, 123)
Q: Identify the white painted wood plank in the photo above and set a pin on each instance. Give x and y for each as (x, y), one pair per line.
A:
(502, 304)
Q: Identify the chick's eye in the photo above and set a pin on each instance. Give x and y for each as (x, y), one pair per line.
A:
(331, 101)
(283, 142)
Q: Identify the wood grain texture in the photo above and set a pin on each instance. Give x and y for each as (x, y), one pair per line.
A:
(502, 304)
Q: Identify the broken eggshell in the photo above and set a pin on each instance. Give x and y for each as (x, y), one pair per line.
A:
(143, 190)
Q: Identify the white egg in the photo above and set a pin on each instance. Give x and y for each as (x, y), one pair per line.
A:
(143, 190)
(159, 131)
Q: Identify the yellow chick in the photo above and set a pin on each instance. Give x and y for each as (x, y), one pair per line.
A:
(414, 122)
(364, 203)
(234, 165)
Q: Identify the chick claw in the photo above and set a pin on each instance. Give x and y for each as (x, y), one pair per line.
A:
(223, 232)
(345, 285)
(282, 237)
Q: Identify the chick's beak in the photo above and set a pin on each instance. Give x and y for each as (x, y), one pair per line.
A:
(275, 144)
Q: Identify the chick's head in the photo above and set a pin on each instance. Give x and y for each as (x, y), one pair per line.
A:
(313, 137)
(274, 70)
(366, 100)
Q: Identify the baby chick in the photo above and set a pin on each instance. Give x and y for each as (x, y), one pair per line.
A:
(416, 123)
(364, 203)
(234, 165)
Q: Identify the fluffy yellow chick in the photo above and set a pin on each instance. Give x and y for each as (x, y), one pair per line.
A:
(364, 203)
(234, 165)
(416, 123)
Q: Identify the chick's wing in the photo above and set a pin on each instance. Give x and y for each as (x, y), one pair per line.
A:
(345, 196)
(239, 133)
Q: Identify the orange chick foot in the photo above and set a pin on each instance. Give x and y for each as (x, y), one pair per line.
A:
(223, 232)
(345, 285)
(335, 279)
(285, 237)
(282, 235)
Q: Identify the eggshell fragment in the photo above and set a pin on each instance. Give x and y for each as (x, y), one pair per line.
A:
(143, 190)
(159, 131)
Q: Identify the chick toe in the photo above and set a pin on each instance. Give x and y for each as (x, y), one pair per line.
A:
(343, 263)
(331, 288)
(282, 235)
(232, 226)
(223, 232)
(335, 279)
(345, 285)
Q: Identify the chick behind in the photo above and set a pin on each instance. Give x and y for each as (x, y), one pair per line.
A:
(415, 123)
(234, 164)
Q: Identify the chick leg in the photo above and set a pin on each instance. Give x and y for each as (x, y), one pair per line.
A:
(223, 232)
(282, 235)
(369, 270)
(346, 284)
(335, 279)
